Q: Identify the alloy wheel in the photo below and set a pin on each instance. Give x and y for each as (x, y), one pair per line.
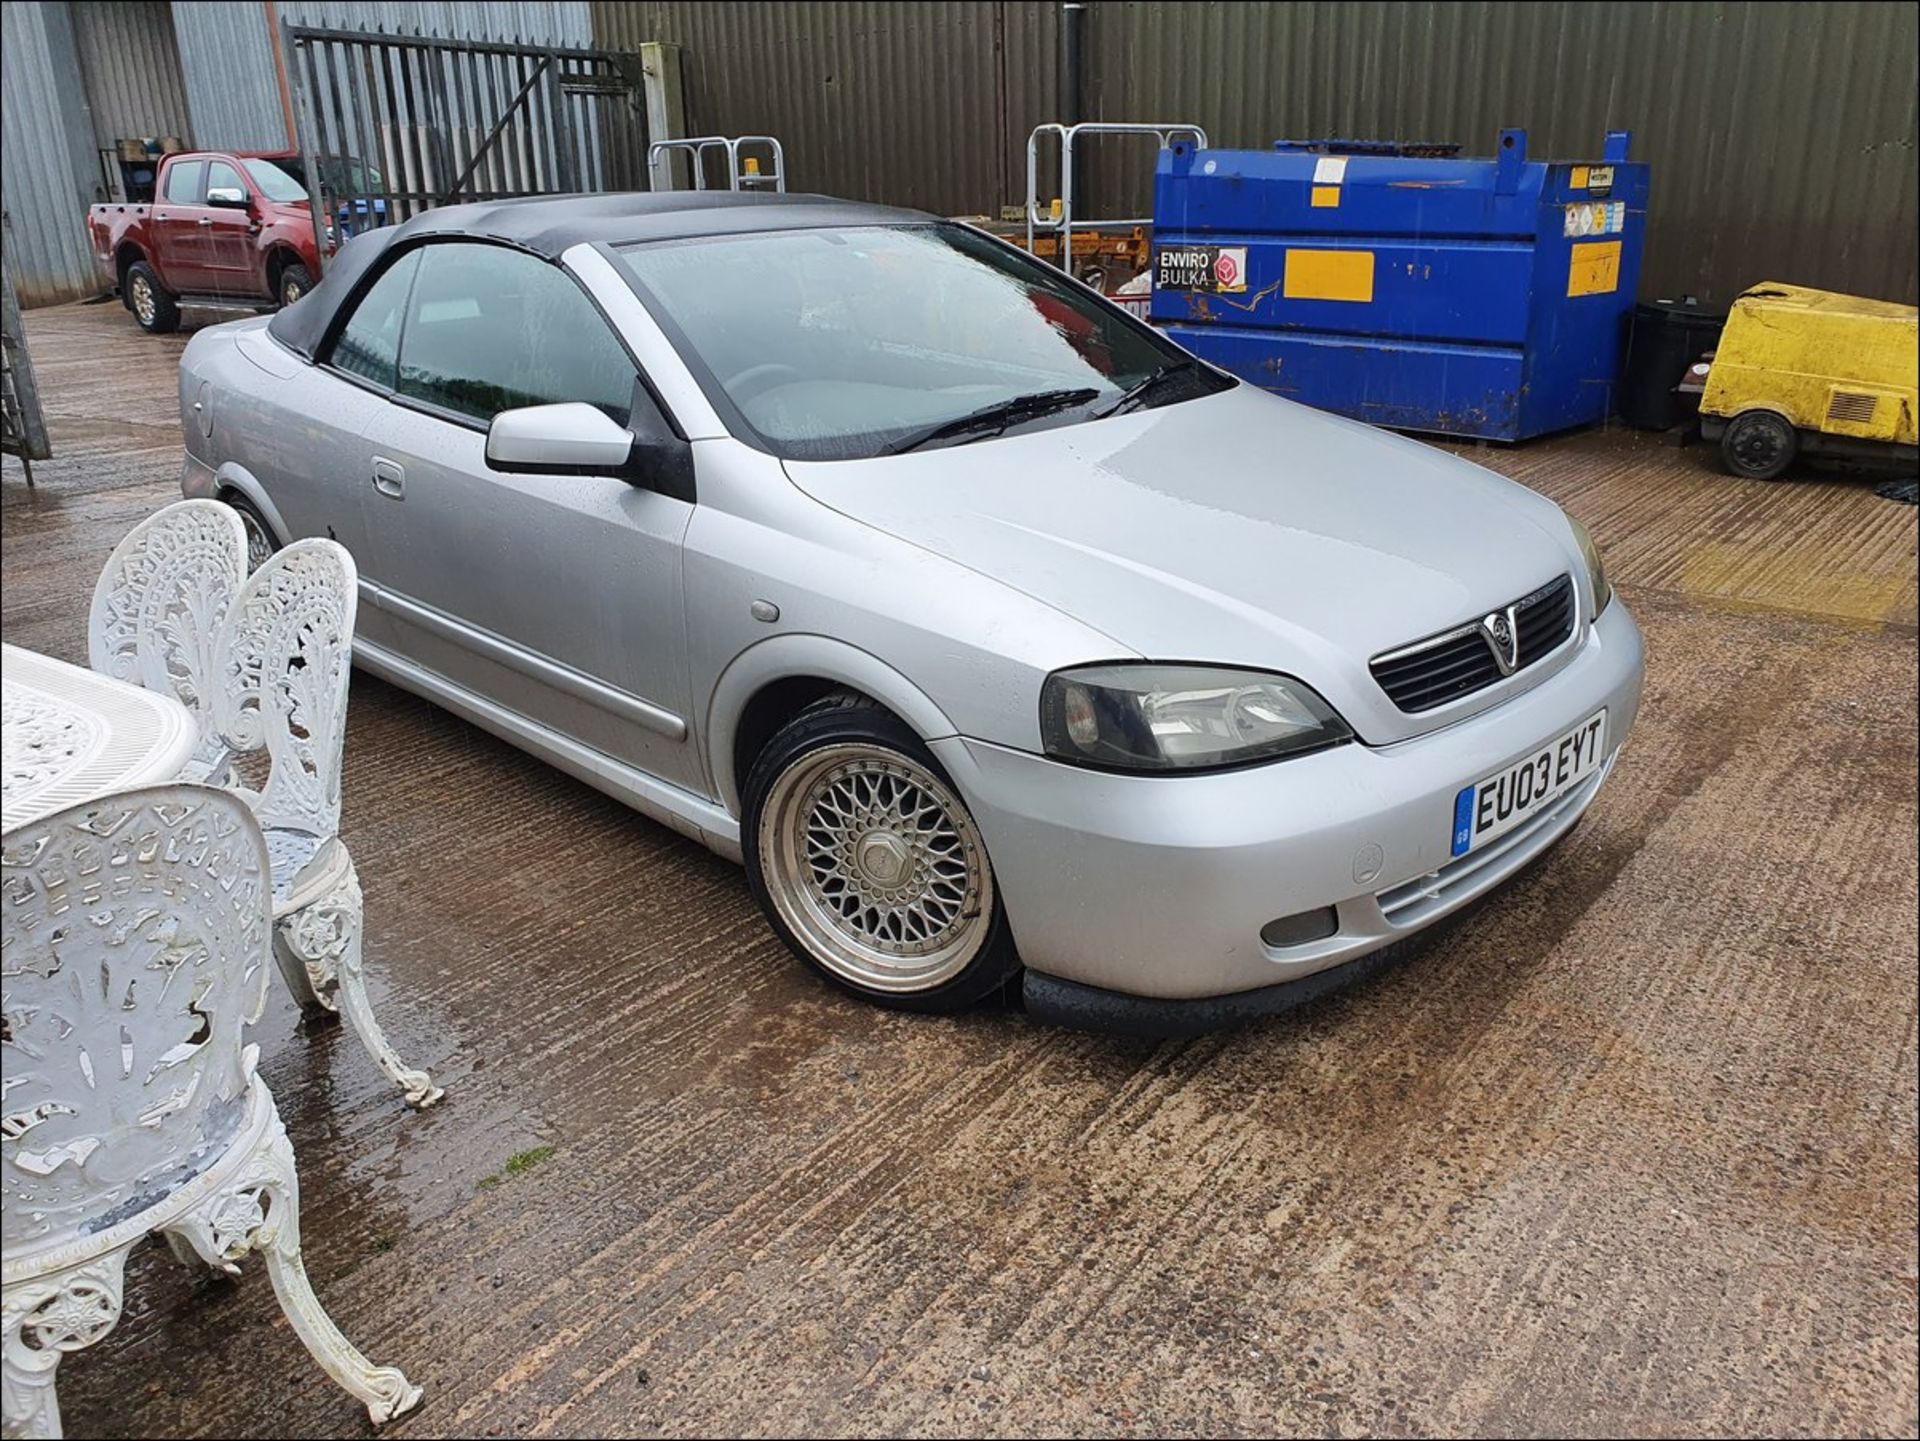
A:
(877, 867)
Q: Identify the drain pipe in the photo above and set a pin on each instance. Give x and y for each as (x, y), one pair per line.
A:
(1073, 17)
(1072, 97)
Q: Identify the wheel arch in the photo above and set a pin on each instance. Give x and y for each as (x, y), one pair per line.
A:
(769, 683)
(1761, 407)
(230, 477)
(279, 256)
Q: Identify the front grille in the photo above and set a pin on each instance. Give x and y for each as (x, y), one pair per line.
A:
(1460, 661)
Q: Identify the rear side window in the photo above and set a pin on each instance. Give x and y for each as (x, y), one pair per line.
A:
(369, 346)
(183, 181)
(492, 329)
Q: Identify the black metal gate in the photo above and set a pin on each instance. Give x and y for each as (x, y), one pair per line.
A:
(390, 125)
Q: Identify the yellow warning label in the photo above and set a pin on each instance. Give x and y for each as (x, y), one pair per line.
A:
(1330, 275)
(1326, 197)
(1578, 180)
(1594, 268)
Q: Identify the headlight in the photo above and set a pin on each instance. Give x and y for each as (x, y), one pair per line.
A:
(1150, 717)
(1596, 568)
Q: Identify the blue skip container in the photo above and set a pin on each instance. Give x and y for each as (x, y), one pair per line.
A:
(1403, 285)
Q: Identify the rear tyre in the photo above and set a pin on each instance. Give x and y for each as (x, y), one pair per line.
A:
(261, 541)
(1759, 444)
(294, 283)
(868, 864)
(155, 310)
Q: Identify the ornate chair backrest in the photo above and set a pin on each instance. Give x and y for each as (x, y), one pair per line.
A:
(159, 603)
(134, 936)
(284, 660)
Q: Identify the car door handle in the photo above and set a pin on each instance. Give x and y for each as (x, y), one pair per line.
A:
(389, 479)
(206, 220)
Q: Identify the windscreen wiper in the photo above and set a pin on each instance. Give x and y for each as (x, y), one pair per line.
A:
(994, 418)
(1140, 389)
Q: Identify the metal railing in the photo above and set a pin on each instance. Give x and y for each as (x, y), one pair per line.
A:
(742, 174)
(1069, 135)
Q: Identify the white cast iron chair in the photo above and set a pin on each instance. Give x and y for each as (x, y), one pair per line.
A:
(283, 662)
(157, 610)
(133, 948)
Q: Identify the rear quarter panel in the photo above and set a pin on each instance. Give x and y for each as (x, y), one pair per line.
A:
(291, 427)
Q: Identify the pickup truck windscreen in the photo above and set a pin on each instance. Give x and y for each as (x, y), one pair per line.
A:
(275, 183)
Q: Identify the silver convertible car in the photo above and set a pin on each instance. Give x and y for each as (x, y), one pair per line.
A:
(1011, 648)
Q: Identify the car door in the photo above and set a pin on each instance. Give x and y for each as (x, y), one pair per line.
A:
(227, 228)
(557, 597)
(312, 453)
(179, 244)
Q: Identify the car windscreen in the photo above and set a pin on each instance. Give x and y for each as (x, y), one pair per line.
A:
(274, 182)
(848, 343)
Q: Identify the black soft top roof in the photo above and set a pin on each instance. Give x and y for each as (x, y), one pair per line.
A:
(549, 225)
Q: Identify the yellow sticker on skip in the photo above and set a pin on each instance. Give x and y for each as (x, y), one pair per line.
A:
(1329, 275)
(1594, 268)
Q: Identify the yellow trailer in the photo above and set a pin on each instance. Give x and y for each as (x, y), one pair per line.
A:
(1801, 371)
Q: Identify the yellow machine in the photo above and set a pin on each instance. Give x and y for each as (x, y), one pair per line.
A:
(1801, 371)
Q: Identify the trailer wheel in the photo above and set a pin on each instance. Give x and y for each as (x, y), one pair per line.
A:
(156, 310)
(1759, 444)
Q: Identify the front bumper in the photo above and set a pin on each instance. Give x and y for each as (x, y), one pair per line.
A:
(1158, 886)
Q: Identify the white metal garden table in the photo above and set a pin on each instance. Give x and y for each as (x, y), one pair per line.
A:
(70, 735)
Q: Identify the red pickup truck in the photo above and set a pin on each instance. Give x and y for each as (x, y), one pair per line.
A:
(224, 228)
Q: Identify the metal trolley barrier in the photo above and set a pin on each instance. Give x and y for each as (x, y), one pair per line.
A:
(697, 146)
(1069, 135)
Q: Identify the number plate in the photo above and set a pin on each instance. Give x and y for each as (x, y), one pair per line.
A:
(1512, 796)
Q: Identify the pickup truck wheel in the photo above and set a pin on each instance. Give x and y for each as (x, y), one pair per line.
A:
(149, 302)
(294, 283)
(1759, 445)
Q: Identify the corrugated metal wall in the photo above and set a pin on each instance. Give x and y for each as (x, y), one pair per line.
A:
(226, 49)
(132, 70)
(1782, 137)
(226, 61)
(925, 104)
(45, 141)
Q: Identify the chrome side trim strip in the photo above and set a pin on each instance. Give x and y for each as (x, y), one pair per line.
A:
(575, 683)
(693, 816)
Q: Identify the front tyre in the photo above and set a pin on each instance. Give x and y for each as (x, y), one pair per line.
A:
(869, 865)
(294, 283)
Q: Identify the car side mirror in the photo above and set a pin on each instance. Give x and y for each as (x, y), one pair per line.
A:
(227, 197)
(570, 439)
(580, 439)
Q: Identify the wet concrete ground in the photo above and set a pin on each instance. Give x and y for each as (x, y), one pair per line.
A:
(1631, 1151)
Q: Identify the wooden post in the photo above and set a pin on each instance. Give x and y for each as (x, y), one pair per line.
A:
(666, 107)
